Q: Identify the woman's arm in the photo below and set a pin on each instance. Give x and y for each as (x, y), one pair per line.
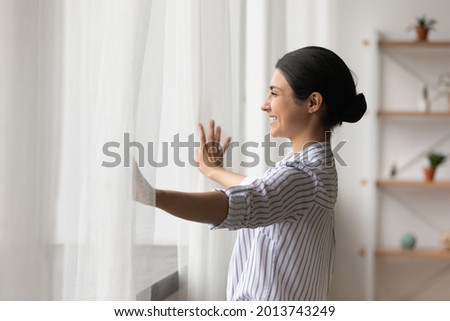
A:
(208, 207)
(225, 177)
(210, 157)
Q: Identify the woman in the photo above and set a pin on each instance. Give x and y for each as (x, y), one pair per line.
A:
(285, 245)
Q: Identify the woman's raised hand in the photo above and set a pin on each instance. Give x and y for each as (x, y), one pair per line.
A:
(210, 154)
(143, 192)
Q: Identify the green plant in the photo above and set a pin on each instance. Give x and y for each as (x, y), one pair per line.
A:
(425, 92)
(424, 22)
(436, 159)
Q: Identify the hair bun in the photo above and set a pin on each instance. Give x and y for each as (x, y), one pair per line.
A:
(354, 109)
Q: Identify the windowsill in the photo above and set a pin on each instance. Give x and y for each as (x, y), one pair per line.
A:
(162, 275)
(157, 271)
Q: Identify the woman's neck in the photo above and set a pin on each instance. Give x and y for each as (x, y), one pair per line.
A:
(303, 141)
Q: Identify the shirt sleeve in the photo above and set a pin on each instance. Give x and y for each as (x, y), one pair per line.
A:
(248, 180)
(285, 194)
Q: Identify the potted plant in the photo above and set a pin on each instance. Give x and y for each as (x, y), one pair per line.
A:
(422, 26)
(435, 159)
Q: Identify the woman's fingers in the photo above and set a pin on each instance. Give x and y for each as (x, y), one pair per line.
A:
(214, 135)
(211, 131)
(226, 144)
(217, 134)
(136, 172)
(143, 191)
(201, 133)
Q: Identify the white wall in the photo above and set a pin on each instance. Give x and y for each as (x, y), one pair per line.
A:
(355, 20)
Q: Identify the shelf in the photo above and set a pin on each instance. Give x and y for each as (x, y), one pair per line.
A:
(411, 60)
(417, 253)
(399, 113)
(413, 184)
(408, 43)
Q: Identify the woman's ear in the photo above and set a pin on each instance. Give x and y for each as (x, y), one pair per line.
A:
(315, 100)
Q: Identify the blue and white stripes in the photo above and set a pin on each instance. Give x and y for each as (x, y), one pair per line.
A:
(285, 245)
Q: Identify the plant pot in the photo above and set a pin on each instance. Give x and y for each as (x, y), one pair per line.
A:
(428, 173)
(422, 33)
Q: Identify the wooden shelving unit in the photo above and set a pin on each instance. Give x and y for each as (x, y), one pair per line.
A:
(381, 111)
(395, 183)
(414, 253)
(408, 43)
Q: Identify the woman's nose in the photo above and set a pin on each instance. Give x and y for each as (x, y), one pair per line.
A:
(265, 105)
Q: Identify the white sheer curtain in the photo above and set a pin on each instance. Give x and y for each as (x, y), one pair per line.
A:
(206, 75)
(75, 75)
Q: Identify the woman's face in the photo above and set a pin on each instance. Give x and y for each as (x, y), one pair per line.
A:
(287, 116)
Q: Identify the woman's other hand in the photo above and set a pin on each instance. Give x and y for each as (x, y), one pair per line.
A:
(210, 155)
(143, 192)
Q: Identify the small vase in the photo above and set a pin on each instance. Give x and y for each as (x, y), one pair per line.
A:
(423, 106)
(429, 173)
(422, 33)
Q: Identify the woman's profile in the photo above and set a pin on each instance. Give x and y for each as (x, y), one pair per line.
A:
(285, 219)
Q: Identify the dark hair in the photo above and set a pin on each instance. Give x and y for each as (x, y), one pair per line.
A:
(316, 69)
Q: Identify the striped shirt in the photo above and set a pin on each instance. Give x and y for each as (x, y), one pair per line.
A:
(285, 245)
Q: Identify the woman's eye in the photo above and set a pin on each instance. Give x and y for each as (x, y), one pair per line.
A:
(272, 93)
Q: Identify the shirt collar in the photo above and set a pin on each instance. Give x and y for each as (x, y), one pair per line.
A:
(315, 155)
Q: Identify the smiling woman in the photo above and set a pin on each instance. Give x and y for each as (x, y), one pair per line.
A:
(285, 219)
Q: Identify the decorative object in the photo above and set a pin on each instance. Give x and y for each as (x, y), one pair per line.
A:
(435, 160)
(422, 26)
(408, 241)
(446, 239)
(444, 86)
(394, 170)
(424, 102)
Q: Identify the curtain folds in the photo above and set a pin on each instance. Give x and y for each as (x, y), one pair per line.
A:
(76, 80)
(83, 88)
(207, 77)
